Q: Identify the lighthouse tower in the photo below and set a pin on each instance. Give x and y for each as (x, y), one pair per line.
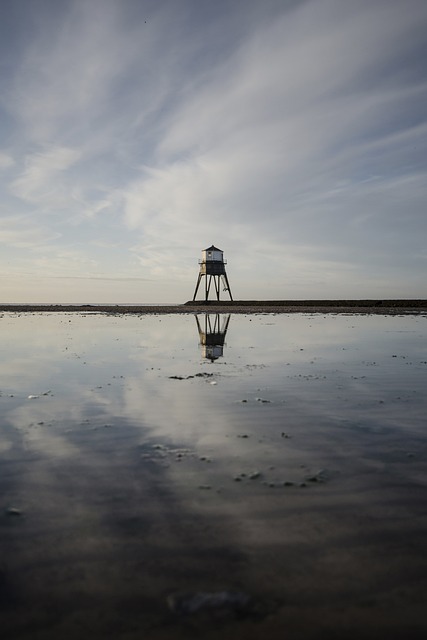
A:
(212, 267)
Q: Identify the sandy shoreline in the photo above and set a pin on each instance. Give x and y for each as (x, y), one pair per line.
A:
(381, 307)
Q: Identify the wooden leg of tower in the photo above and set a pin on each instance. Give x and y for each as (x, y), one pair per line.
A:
(208, 287)
(228, 286)
(217, 286)
(197, 286)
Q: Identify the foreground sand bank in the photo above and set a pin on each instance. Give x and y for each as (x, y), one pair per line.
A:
(244, 306)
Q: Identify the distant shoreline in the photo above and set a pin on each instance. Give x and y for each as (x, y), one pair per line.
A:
(381, 307)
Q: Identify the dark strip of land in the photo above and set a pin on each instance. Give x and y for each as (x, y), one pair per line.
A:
(239, 306)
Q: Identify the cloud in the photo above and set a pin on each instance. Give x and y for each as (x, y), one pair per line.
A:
(67, 68)
(96, 71)
(102, 278)
(40, 182)
(6, 160)
(295, 138)
(20, 232)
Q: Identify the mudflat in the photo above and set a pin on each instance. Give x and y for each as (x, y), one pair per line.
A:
(391, 307)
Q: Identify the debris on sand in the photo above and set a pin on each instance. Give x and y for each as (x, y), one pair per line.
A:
(35, 396)
(13, 511)
(320, 476)
(196, 375)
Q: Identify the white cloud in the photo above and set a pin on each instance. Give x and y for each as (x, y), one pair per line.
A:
(67, 68)
(6, 160)
(20, 232)
(40, 181)
(280, 143)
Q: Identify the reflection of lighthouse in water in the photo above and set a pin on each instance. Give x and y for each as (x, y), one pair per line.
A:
(212, 331)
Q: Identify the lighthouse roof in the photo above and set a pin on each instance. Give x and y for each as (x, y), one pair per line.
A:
(213, 248)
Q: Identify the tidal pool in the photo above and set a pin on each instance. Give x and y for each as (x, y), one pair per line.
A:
(202, 476)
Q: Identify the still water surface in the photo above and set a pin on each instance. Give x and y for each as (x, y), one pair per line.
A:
(244, 477)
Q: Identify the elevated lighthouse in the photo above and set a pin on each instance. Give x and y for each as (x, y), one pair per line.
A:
(212, 268)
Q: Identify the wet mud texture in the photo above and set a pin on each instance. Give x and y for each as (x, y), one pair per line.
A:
(389, 307)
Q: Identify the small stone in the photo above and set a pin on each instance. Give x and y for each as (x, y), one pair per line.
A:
(288, 483)
(254, 475)
(13, 511)
(205, 487)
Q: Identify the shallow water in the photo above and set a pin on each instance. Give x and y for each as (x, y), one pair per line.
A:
(288, 471)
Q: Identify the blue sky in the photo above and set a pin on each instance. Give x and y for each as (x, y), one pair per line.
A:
(289, 133)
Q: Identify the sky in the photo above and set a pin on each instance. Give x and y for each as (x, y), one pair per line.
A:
(134, 134)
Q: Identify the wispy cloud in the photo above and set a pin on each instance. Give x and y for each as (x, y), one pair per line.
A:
(20, 232)
(40, 181)
(6, 160)
(291, 121)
